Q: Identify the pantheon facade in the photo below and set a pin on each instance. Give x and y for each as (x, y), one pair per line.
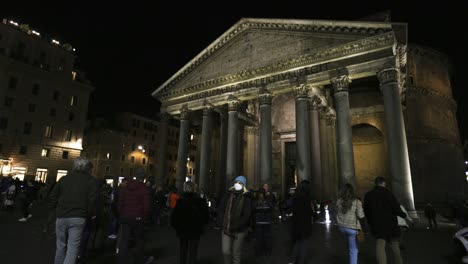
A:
(333, 102)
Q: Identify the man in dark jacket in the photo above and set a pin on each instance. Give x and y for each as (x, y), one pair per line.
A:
(235, 212)
(134, 208)
(381, 209)
(74, 198)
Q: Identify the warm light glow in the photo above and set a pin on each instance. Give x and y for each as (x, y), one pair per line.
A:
(73, 75)
(13, 23)
(466, 162)
(79, 140)
(191, 136)
(108, 155)
(140, 147)
(55, 42)
(188, 159)
(60, 174)
(74, 49)
(143, 150)
(36, 33)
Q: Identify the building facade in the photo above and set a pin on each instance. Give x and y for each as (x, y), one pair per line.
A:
(43, 104)
(331, 102)
(119, 146)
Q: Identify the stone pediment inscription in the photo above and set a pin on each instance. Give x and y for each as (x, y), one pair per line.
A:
(260, 44)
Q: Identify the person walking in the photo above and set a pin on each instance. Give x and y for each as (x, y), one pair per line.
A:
(134, 209)
(404, 224)
(349, 214)
(74, 197)
(301, 222)
(189, 218)
(430, 213)
(263, 221)
(381, 209)
(235, 212)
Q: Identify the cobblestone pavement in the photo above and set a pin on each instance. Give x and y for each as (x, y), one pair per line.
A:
(25, 242)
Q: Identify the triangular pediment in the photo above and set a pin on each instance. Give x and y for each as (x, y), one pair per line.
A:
(261, 43)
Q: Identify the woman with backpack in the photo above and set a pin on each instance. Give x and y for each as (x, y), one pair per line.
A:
(189, 218)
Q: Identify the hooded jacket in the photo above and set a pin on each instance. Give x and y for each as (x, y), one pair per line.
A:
(134, 200)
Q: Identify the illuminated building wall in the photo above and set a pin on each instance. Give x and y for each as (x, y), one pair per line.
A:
(43, 103)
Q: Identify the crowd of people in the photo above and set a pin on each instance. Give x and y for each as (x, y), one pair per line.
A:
(85, 212)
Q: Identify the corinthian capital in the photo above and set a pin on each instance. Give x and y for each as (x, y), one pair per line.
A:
(340, 83)
(388, 75)
(264, 97)
(184, 112)
(315, 103)
(233, 103)
(301, 91)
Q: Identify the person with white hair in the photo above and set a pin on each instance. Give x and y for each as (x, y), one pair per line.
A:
(74, 199)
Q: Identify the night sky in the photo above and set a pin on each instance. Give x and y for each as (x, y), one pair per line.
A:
(129, 49)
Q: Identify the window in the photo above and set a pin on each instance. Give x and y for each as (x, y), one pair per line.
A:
(108, 155)
(56, 95)
(45, 152)
(151, 153)
(60, 174)
(53, 112)
(134, 133)
(3, 123)
(8, 101)
(143, 161)
(122, 158)
(23, 150)
(132, 159)
(65, 154)
(27, 128)
(133, 146)
(48, 131)
(32, 108)
(152, 137)
(35, 89)
(146, 136)
(68, 135)
(131, 172)
(107, 169)
(71, 116)
(73, 100)
(41, 175)
(121, 171)
(13, 83)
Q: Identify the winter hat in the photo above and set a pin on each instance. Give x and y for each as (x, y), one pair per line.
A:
(241, 179)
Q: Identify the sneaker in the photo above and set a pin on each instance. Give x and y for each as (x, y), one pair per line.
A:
(29, 216)
(113, 236)
(23, 219)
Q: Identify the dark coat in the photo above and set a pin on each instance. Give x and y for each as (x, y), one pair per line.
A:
(190, 216)
(75, 195)
(240, 214)
(301, 222)
(381, 209)
(134, 200)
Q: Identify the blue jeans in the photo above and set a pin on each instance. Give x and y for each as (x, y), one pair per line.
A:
(352, 246)
(69, 232)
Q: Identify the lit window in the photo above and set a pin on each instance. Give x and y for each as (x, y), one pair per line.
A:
(68, 135)
(60, 174)
(41, 175)
(48, 131)
(45, 152)
(108, 155)
(73, 75)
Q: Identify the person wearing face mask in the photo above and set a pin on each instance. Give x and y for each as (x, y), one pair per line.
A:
(234, 213)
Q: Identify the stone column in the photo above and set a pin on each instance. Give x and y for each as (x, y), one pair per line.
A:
(205, 154)
(344, 134)
(221, 179)
(162, 152)
(264, 100)
(324, 138)
(303, 165)
(232, 140)
(316, 181)
(183, 147)
(396, 138)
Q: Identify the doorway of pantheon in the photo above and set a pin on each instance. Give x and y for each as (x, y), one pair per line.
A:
(369, 157)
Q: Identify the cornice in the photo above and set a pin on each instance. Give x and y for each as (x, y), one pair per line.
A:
(348, 49)
(425, 91)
